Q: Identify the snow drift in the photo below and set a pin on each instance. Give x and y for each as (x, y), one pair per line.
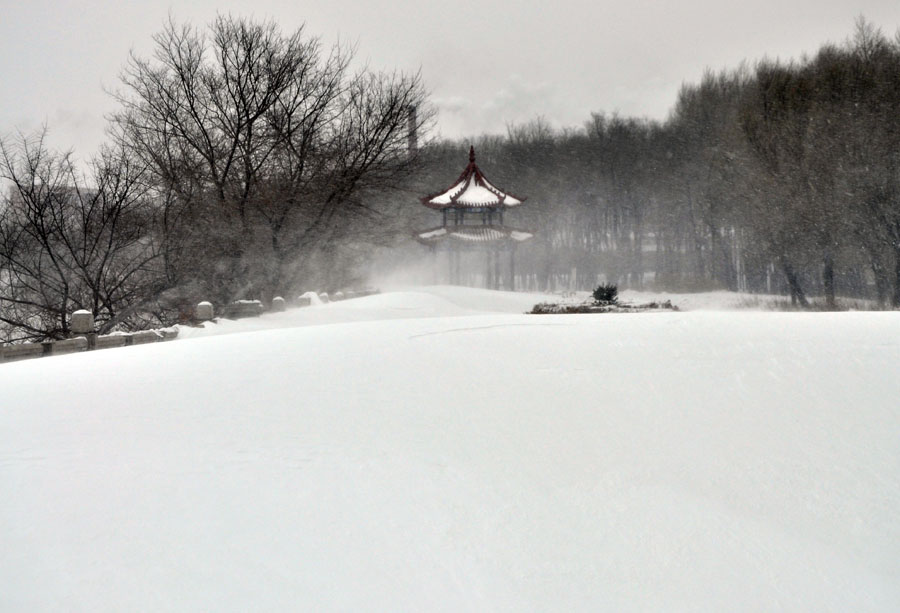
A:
(440, 451)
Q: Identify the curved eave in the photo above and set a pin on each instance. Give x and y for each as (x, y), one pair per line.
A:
(465, 205)
(474, 235)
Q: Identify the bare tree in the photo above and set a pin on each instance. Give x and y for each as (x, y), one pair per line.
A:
(72, 242)
(264, 143)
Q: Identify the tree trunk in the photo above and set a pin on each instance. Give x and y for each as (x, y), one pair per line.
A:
(828, 280)
(724, 271)
(797, 294)
(895, 298)
(882, 282)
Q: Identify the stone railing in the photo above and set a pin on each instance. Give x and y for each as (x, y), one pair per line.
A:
(85, 342)
(81, 324)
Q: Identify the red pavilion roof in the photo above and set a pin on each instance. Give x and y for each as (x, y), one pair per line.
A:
(472, 190)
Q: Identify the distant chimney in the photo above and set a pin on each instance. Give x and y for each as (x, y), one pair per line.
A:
(412, 143)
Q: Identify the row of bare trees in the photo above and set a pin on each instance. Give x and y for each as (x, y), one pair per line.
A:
(781, 178)
(244, 162)
(66, 246)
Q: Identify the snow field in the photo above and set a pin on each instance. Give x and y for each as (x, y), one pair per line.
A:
(439, 451)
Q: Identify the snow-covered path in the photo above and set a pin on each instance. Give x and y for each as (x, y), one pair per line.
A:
(442, 452)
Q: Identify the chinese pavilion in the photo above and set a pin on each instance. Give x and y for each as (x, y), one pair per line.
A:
(472, 211)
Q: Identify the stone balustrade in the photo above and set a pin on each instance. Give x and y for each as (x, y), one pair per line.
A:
(85, 338)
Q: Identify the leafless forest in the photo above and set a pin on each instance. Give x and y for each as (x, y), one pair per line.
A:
(247, 162)
(243, 162)
(780, 177)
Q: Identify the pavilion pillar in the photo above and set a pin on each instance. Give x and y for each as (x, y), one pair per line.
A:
(512, 268)
(434, 265)
(451, 277)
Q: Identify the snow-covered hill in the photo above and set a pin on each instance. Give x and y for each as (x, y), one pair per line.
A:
(438, 450)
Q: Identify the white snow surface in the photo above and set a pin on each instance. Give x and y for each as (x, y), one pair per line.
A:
(520, 236)
(435, 449)
(313, 298)
(433, 233)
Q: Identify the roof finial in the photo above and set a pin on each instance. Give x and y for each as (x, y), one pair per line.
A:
(472, 153)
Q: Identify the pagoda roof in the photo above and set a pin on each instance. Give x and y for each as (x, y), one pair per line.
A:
(473, 234)
(472, 190)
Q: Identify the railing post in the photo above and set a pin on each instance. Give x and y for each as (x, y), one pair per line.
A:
(82, 324)
(204, 311)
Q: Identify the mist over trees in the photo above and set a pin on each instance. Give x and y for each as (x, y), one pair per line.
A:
(780, 178)
(246, 162)
(264, 150)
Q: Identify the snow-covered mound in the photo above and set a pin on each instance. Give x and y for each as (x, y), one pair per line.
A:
(431, 455)
(438, 301)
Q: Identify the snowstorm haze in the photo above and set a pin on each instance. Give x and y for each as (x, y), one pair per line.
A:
(473, 305)
(160, 155)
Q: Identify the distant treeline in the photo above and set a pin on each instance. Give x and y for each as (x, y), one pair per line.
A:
(781, 178)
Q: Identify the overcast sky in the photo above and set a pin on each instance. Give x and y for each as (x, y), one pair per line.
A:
(487, 63)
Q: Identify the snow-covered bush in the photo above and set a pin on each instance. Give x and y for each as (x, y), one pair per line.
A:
(606, 293)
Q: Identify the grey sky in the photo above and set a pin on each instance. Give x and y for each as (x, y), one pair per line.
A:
(487, 63)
